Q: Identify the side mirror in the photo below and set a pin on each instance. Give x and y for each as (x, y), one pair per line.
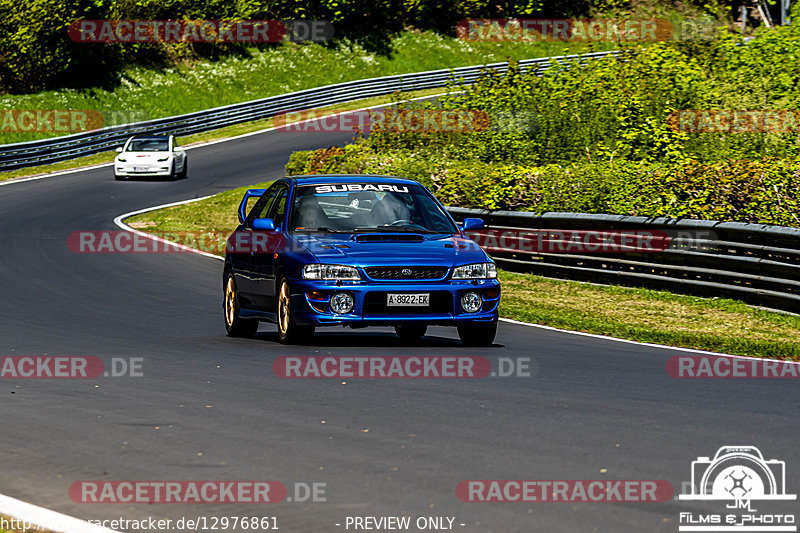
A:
(119, 149)
(472, 223)
(263, 224)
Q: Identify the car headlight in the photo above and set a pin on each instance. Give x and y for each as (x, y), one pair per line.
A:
(320, 271)
(475, 271)
(163, 158)
(121, 159)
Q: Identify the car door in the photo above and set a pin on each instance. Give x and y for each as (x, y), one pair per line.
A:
(242, 259)
(264, 259)
(179, 153)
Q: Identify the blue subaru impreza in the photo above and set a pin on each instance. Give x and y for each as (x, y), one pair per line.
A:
(356, 251)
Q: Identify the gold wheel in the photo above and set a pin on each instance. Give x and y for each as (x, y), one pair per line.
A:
(283, 309)
(230, 303)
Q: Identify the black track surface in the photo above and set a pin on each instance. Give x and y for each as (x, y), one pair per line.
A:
(210, 407)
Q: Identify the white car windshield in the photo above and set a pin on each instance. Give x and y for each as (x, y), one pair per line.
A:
(351, 207)
(149, 145)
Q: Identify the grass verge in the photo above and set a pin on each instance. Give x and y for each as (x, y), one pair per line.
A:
(203, 137)
(643, 315)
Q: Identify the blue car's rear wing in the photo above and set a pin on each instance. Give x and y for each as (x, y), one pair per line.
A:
(243, 206)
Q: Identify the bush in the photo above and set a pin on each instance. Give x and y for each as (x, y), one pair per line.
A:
(765, 192)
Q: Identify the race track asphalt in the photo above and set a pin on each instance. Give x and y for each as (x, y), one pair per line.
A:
(210, 407)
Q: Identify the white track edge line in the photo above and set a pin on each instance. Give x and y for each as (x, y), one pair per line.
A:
(52, 521)
(119, 222)
(651, 344)
(201, 144)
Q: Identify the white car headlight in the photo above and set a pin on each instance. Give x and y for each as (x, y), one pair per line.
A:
(163, 158)
(475, 271)
(321, 271)
(121, 159)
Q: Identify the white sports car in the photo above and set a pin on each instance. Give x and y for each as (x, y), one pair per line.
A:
(151, 156)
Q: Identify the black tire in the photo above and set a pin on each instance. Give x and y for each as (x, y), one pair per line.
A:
(478, 333)
(411, 332)
(235, 326)
(289, 332)
(118, 177)
(185, 169)
(173, 171)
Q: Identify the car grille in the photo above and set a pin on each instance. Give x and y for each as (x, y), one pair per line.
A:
(441, 302)
(396, 272)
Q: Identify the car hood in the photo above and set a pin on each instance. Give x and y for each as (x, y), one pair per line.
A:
(390, 249)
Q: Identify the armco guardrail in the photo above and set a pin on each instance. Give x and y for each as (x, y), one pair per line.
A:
(756, 263)
(70, 146)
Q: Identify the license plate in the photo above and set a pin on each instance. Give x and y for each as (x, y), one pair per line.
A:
(141, 169)
(421, 299)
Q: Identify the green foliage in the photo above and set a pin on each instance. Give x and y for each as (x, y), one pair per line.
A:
(601, 137)
(747, 191)
(36, 52)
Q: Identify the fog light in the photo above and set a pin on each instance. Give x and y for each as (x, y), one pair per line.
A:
(471, 302)
(342, 303)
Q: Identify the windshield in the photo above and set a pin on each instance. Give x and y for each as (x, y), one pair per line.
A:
(363, 207)
(149, 145)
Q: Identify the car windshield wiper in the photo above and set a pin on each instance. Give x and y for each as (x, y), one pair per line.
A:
(393, 229)
(322, 229)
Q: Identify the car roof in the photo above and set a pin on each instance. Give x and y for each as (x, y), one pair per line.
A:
(321, 179)
(151, 137)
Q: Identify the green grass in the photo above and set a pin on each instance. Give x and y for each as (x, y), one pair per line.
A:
(148, 93)
(637, 314)
(207, 136)
(645, 315)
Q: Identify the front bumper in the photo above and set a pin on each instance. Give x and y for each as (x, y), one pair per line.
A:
(159, 169)
(370, 307)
